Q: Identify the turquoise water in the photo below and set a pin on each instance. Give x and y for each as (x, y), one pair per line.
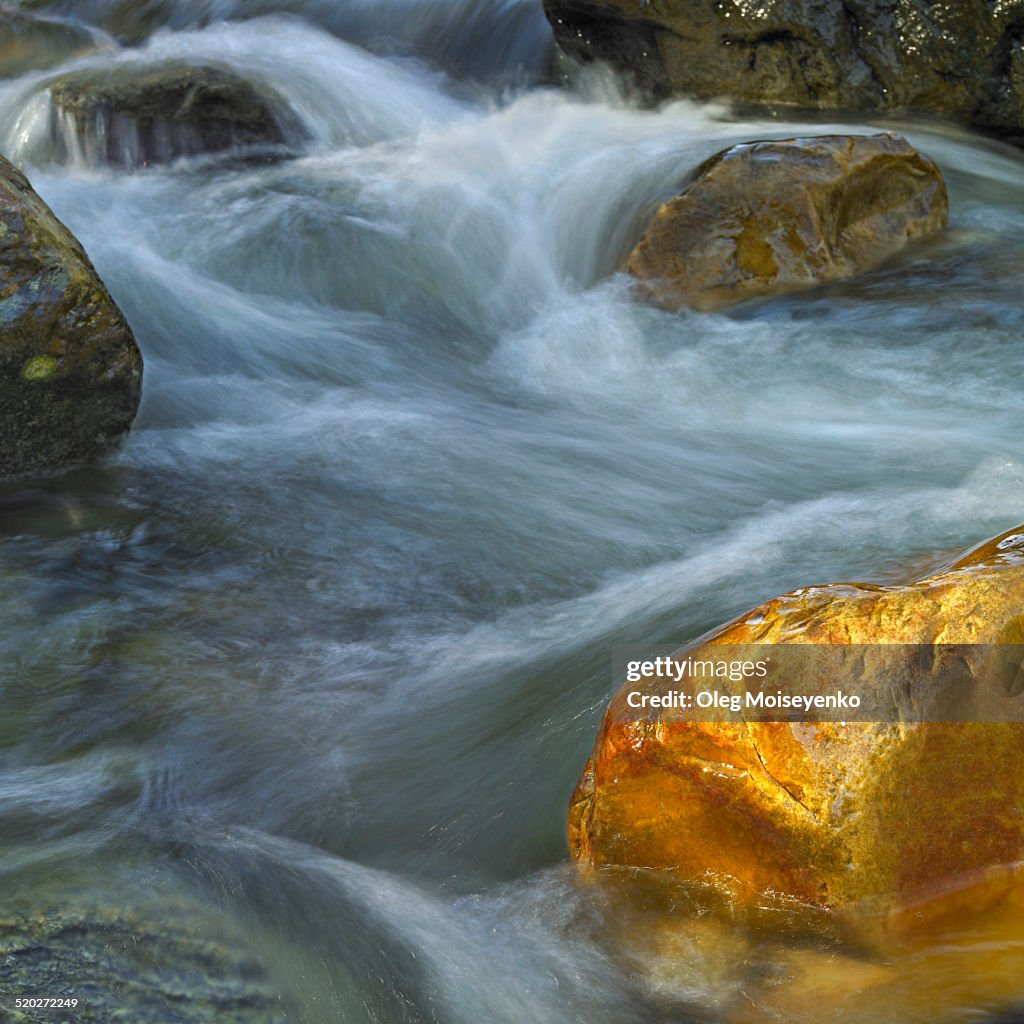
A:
(322, 650)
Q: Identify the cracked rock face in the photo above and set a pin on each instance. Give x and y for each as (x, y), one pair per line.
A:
(763, 218)
(861, 817)
(960, 59)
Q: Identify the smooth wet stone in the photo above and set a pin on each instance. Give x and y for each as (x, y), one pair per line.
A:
(764, 218)
(30, 43)
(133, 116)
(70, 371)
(856, 820)
(961, 59)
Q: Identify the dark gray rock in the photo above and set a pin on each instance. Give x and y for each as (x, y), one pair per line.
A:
(133, 116)
(147, 965)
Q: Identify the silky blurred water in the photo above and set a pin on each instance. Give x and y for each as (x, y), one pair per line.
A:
(327, 642)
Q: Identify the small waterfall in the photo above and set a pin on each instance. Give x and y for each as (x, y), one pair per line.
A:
(156, 116)
(217, 90)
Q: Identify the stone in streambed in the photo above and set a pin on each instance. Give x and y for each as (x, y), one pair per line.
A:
(855, 819)
(765, 218)
(703, 955)
(135, 959)
(132, 116)
(70, 371)
(961, 60)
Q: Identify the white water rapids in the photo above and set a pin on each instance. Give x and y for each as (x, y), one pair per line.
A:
(410, 460)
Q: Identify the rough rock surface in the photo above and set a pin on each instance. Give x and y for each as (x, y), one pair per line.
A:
(763, 218)
(154, 965)
(70, 371)
(961, 60)
(861, 817)
(29, 43)
(132, 116)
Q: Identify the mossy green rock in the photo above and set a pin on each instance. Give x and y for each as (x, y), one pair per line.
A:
(29, 43)
(70, 371)
(130, 115)
(962, 59)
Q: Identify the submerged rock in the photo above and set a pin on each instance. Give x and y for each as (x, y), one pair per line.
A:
(70, 371)
(763, 218)
(131, 116)
(961, 60)
(857, 819)
(165, 964)
(30, 43)
(705, 959)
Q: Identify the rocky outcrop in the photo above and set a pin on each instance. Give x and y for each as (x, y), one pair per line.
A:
(961, 60)
(769, 217)
(132, 116)
(854, 818)
(70, 371)
(30, 43)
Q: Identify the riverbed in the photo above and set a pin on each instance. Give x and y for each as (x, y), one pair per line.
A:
(319, 654)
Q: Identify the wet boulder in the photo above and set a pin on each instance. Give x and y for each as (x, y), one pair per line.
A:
(70, 371)
(133, 116)
(874, 823)
(31, 43)
(960, 60)
(763, 218)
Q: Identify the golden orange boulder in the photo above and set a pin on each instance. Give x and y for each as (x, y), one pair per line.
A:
(853, 819)
(764, 218)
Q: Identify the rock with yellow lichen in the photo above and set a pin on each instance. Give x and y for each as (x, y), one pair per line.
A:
(70, 371)
(763, 218)
(856, 820)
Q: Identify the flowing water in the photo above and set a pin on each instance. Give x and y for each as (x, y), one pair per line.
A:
(320, 653)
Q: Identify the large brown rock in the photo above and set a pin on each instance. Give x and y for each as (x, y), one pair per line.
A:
(70, 371)
(764, 218)
(860, 820)
(961, 60)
